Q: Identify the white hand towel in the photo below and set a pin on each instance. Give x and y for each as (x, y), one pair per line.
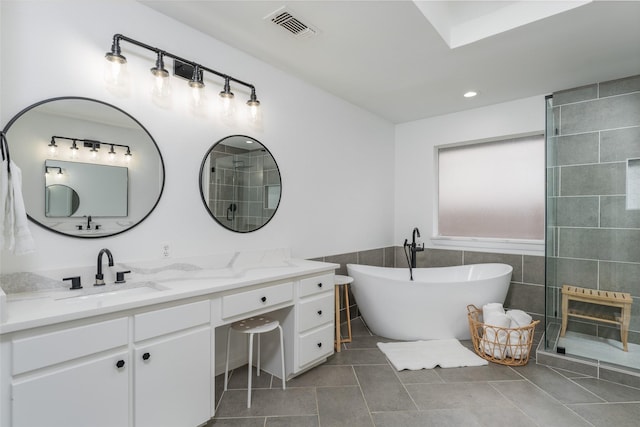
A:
(495, 335)
(517, 346)
(520, 318)
(14, 228)
(493, 307)
(22, 241)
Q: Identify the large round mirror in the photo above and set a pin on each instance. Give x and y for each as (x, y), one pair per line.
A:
(240, 183)
(89, 169)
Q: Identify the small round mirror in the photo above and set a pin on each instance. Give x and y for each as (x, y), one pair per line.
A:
(240, 183)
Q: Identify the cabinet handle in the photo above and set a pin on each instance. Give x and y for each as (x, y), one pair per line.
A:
(320, 284)
(146, 356)
(319, 345)
(120, 364)
(319, 312)
(263, 299)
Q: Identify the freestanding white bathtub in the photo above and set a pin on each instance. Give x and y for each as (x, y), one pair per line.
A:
(433, 305)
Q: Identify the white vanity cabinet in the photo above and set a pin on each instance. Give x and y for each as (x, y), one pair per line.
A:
(314, 323)
(172, 366)
(72, 377)
(92, 375)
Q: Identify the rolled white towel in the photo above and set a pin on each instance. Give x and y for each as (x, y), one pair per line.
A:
(517, 344)
(520, 318)
(494, 339)
(491, 308)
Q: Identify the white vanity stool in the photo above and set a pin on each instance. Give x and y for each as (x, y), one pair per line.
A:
(254, 325)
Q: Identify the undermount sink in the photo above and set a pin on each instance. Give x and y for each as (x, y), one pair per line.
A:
(112, 294)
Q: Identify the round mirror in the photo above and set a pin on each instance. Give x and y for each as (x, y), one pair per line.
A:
(89, 169)
(60, 201)
(240, 183)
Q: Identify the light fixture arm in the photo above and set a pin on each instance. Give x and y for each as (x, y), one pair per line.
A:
(94, 144)
(115, 50)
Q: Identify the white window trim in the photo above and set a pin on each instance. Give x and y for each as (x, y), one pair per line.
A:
(486, 244)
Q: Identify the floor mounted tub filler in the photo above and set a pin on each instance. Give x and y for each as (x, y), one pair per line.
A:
(433, 305)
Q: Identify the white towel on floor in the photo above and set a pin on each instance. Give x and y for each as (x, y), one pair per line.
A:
(446, 353)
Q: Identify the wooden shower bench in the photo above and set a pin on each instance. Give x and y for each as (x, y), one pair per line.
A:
(620, 300)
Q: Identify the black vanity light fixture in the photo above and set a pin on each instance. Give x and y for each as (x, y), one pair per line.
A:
(92, 144)
(184, 68)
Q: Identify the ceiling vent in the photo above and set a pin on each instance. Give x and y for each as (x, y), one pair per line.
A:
(285, 18)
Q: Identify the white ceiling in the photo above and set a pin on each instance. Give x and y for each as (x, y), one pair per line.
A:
(387, 56)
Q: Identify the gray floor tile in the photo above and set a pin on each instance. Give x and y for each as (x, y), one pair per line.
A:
(608, 391)
(268, 402)
(369, 341)
(358, 328)
(296, 421)
(607, 415)
(358, 357)
(325, 375)
(508, 416)
(420, 376)
(490, 372)
(433, 418)
(236, 422)
(456, 396)
(382, 389)
(342, 406)
(538, 405)
(238, 379)
(563, 389)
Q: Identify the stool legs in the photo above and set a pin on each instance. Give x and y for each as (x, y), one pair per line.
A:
(339, 339)
(249, 370)
(250, 363)
(226, 366)
(284, 374)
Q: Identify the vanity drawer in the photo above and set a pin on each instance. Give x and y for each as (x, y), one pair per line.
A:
(168, 320)
(249, 301)
(315, 285)
(315, 345)
(56, 347)
(315, 311)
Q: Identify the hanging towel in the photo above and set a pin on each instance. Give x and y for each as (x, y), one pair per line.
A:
(14, 228)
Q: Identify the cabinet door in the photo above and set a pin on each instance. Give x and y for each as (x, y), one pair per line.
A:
(92, 393)
(172, 380)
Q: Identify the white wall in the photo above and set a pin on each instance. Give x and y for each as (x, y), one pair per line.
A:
(334, 158)
(415, 183)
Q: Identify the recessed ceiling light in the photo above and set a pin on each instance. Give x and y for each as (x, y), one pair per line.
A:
(470, 94)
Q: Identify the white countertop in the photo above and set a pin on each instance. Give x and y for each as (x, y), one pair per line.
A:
(144, 287)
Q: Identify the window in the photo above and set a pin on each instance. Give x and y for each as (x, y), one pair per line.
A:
(492, 189)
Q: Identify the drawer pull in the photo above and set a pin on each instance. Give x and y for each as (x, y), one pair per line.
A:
(320, 284)
(319, 345)
(120, 364)
(319, 312)
(263, 299)
(146, 356)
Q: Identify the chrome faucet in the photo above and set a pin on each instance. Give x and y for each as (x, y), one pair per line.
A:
(99, 275)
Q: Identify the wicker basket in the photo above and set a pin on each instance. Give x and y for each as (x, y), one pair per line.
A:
(507, 346)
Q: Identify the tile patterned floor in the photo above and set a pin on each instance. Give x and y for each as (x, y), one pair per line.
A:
(357, 387)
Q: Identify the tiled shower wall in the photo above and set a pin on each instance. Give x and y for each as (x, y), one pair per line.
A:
(592, 239)
(526, 291)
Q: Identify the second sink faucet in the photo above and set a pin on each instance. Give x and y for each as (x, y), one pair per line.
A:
(99, 275)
